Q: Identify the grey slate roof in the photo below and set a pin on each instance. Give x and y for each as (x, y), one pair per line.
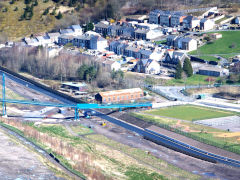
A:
(101, 25)
(141, 31)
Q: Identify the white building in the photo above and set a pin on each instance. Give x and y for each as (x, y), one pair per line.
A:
(147, 66)
(189, 44)
(191, 22)
(110, 65)
(102, 44)
(206, 24)
(157, 54)
(77, 30)
(43, 40)
(53, 36)
(31, 41)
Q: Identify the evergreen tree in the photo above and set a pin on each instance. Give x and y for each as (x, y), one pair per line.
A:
(35, 3)
(27, 1)
(59, 16)
(90, 26)
(81, 71)
(46, 11)
(187, 67)
(109, 11)
(178, 74)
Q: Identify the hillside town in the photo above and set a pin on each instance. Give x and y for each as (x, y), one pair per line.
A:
(150, 44)
(120, 90)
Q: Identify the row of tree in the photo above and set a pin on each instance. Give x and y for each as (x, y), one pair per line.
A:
(187, 68)
(34, 60)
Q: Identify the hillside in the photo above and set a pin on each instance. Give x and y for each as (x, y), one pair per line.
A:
(12, 27)
(42, 15)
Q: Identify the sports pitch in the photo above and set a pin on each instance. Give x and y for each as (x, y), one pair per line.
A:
(190, 112)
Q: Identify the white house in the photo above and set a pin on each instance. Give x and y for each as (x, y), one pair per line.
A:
(206, 24)
(102, 44)
(154, 33)
(157, 54)
(43, 40)
(147, 66)
(191, 22)
(110, 65)
(77, 30)
(31, 41)
(53, 36)
(189, 44)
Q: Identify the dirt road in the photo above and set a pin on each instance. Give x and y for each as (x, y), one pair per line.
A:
(18, 162)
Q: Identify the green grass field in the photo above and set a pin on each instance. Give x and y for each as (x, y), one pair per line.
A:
(161, 42)
(222, 46)
(196, 79)
(209, 58)
(190, 113)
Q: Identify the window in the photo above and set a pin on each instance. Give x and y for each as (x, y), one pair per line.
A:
(118, 98)
(132, 96)
(109, 99)
(114, 98)
(136, 96)
(127, 97)
(122, 97)
(104, 99)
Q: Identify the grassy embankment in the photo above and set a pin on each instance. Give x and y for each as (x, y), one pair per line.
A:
(127, 162)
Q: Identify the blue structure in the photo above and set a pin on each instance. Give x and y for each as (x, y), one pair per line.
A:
(3, 95)
(77, 107)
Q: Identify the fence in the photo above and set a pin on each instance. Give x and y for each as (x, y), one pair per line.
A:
(224, 145)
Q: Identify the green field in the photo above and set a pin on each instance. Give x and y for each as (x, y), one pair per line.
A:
(190, 113)
(161, 42)
(208, 58)
(221, 46)
(196, 79)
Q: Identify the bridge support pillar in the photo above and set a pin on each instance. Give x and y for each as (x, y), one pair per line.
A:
(4, 109)
(76, 114)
